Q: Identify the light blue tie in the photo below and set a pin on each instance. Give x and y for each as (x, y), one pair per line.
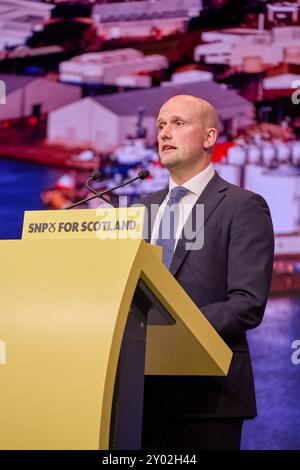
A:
(169, 223)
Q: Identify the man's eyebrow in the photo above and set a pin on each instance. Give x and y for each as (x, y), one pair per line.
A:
(173, 118)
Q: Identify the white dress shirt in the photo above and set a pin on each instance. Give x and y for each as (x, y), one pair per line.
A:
(196, 186)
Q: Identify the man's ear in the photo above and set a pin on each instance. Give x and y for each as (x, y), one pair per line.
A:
(210, 137)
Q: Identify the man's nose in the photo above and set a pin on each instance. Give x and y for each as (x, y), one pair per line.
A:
(165, 133)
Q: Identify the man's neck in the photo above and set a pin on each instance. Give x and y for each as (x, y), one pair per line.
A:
(181, 177)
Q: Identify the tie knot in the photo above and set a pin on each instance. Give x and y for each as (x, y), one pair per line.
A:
(177, 194)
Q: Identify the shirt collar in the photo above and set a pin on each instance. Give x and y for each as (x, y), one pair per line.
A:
(197, 183)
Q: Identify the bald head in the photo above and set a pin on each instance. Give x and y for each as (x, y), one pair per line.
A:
(205, 111)
(187, 131)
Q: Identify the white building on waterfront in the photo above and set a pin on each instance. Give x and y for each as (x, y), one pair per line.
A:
(285, 10)
(140, 18)
(19, 18)
(250, 50)
(112, 68)
(26, 96)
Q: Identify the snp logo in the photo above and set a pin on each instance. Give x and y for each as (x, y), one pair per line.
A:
(2, 92)
(2, 353)
(42, 227)
(296, 354)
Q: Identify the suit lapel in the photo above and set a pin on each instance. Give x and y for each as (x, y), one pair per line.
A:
(211, 197)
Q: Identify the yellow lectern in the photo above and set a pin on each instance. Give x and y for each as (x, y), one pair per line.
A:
(82, 321)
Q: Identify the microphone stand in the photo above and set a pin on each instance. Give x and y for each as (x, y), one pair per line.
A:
(142, 175)
(89, 187)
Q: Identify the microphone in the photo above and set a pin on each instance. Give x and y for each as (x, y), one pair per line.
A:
(96, 175)
(141, 176)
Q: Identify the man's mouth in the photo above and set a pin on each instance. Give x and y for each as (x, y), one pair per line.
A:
(168, 147)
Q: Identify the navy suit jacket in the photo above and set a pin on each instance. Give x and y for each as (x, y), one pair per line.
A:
(229, 281)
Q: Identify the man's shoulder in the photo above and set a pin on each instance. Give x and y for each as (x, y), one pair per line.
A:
(241, 203)
(240, 195)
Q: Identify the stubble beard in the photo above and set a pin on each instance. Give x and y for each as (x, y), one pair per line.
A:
(170, 162)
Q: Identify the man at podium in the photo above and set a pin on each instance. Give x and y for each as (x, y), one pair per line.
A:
(228, 278)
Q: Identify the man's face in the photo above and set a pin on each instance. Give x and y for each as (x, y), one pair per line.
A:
(180, 134)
